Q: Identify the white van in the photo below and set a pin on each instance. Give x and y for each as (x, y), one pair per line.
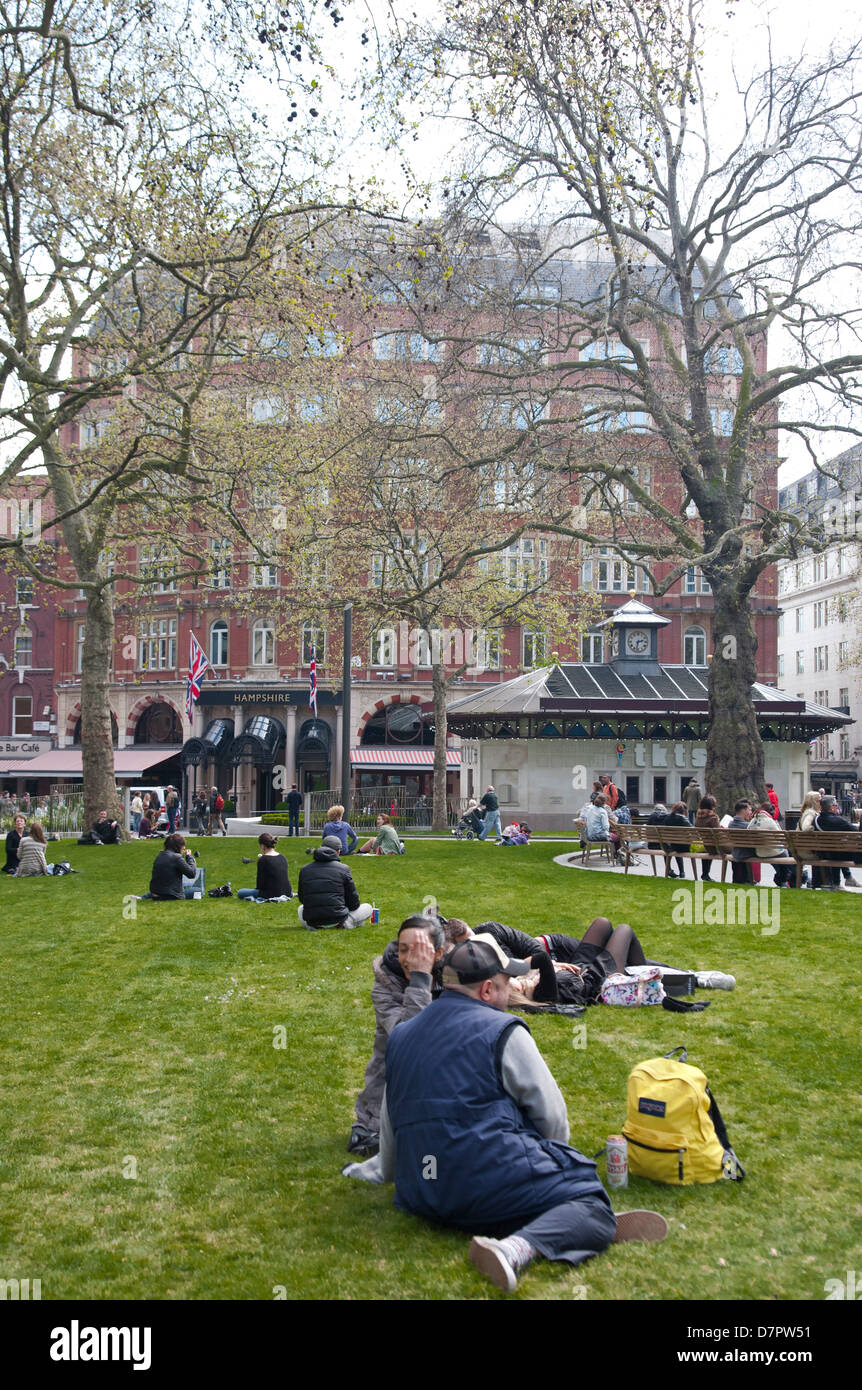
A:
(160, 793)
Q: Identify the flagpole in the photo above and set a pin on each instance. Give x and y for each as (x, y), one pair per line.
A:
(345, 708)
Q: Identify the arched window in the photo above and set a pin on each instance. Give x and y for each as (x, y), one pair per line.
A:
(263, 644)
(694, 650)
(218, 643)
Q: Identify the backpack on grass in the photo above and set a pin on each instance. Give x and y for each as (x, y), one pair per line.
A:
(673, 1125)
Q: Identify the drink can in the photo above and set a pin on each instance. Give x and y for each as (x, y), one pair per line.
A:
(617, 1154)
(375, 915)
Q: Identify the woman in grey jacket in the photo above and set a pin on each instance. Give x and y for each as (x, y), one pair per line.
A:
(404, 985)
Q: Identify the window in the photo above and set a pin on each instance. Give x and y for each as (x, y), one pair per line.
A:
(545, 293)
(612, 350)
(800, 619)
(511, 483)
(821, 613)
(157, 644)
(800, 663)
(274, 345)
(659, 789)
(844, 696)
(262, 644)
(819, 569)
(521, 565)
(485, 649)
(722, 421)
(844, 747)
(22, 715)
(592, 645)
(312, 409)
(610, 574)
(725, 361)
(821, 658)
(821, 697)
(598, 417)
(313, 640)
(155, 563)
(315, 570)
(326, 343)
(24, 589)
(23, 647)
(384, 647)
(780, 665)
(267, 410)
(843, 653)
(80, 633)
(92, 431)
(534, 647)
(406, 562)
(317, 496)
(690, 586)
(220, 561)
(406, 347)
(694, 647)
(264, 576)
(218, 643)
(781, 625)
(511, 415)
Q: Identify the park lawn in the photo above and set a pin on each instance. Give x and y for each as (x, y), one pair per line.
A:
(158, 1144)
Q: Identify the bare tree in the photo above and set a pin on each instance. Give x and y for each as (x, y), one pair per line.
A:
(664, 243)
(146, 212)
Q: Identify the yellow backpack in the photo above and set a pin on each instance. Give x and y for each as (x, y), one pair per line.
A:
(674, 1128)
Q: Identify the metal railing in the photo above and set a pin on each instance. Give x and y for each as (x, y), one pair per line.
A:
(410, 813)
(60, 813)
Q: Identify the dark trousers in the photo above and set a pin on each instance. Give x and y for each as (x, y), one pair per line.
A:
(293, 822)
(572, 1231)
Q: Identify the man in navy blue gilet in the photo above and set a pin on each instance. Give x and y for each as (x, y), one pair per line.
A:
(474, 1130)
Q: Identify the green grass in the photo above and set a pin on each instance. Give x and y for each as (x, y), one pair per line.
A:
(145, 1045)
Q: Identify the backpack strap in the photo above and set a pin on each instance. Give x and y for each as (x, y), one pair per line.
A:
(683, 1006)
(682, 1050)
(732, 1167)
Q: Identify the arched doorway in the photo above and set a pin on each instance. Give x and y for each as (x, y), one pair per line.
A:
(76, 735)
(159, 723)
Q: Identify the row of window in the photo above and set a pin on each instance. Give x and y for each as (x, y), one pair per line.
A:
(822, 613)
(819, 660)
(817, 569)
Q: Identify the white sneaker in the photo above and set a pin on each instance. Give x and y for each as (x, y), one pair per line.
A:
(714, 979)
(489, 1258)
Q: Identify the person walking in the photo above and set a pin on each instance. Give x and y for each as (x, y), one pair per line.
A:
(692, 797)
(492, 816)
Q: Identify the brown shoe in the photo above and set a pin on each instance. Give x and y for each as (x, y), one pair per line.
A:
(640, 1225)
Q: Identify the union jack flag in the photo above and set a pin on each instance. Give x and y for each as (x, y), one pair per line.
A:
(312, 682)
(197, 665)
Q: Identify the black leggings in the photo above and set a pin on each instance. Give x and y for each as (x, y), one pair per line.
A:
(621, 943)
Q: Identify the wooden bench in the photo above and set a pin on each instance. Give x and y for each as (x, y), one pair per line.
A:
(726, 841)
(810, 847)
(667, 842)
(634, 835)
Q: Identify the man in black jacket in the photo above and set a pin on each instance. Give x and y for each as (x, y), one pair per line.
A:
(294, 806)
(327, 893)
(831, 819)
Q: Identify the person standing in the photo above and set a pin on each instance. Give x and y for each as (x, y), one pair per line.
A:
(136, 810)
(492, 816)
(216, 808)
(172, 806)
(772, 796)
(294, 806)
(692, 798)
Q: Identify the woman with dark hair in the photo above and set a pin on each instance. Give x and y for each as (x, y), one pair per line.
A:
(273, 880)
(170, 866)
(13, 840)
(406, 979)
(706, 818)
(31, 853)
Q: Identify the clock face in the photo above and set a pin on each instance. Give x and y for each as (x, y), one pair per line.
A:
(637, 642)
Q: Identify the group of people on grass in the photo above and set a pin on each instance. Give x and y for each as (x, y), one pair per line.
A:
(455, 1079)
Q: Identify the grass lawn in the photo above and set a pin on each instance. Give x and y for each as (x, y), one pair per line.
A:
(156, 1144)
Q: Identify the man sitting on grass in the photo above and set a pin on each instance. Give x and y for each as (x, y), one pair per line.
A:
(474, 1130)
(327, 893)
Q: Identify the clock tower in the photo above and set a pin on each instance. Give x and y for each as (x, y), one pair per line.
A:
(634, 642)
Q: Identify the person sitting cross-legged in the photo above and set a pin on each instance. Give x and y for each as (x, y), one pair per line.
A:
(326, 891)
(474, 1131)
(273, 879)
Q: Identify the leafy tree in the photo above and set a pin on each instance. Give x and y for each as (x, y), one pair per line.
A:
(665, 241)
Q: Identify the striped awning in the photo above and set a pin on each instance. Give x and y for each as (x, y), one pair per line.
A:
(400, 757)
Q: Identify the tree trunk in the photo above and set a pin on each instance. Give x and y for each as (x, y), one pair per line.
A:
(734, 751)
(97, 751)
(440, 819)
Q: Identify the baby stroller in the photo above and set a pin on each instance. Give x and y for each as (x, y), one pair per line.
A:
(468, 826)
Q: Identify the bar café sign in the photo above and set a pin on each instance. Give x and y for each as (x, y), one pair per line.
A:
(24, 747)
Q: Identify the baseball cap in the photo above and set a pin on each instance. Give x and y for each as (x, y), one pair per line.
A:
(479, 958)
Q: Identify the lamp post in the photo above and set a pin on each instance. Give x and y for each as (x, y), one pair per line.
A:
(345, 708)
